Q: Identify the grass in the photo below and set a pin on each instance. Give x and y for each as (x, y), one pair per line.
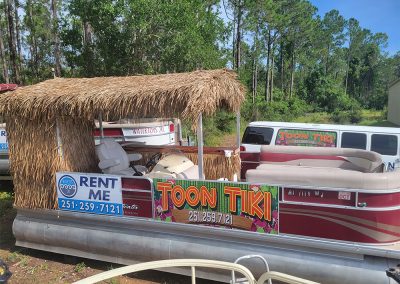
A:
(80, 267)
(20, 259)
(375, 118)
(6, 201)
(368, 118)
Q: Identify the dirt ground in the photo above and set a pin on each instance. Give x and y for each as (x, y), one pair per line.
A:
(33, 266)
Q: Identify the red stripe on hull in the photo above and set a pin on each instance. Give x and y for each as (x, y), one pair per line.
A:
(340, 223)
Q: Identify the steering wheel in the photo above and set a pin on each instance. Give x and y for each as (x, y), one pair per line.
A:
(153, 160)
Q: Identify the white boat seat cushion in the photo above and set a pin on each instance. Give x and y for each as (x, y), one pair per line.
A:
(113, 158)
(175, 165)
(190, 173)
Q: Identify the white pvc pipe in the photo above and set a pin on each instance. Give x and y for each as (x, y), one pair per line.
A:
(193, 275)
(200, 145)
(101, 125)
(170, 263)
(59, 140)
(238, 129)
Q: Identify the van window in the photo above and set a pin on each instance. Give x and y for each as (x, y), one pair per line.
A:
(384, 144)
(258, 135)
(299, 137)
(354, 140)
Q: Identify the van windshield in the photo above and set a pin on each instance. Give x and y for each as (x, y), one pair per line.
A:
(300, 137)
(258, 135)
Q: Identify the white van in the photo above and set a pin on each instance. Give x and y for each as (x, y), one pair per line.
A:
(383, 140)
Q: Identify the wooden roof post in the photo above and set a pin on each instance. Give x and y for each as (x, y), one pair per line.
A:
(101, 126)
(59, 140)
(200, 145)
(238, 129)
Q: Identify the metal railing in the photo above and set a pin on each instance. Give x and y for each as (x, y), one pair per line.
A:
(193, 263)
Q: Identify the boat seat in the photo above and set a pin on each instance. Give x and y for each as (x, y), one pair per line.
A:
(175, 165)
(114, 160)
(320, 177)
(350, 159)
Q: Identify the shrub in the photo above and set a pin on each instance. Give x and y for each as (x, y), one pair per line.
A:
(340, 117)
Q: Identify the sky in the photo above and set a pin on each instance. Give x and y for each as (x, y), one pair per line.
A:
(375, 15)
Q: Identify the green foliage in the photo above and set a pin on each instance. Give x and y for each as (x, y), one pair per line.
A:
(280, 109)
(311, 63)
(6, 202)
(315, 117)
(80, 267)
(217, 126)
(142, 37)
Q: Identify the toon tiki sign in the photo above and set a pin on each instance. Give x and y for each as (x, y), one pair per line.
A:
(221, 204)
(298, 137)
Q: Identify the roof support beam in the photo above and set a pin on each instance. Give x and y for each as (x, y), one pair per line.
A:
(238, 129)
(200, 145)
(101, 126)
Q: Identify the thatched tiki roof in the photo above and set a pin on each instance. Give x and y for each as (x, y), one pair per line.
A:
(33, 113)
(183, 95)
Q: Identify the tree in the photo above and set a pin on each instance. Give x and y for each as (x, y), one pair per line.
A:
(56, 38)
(3, 54)
(332, 35)
(9, 11)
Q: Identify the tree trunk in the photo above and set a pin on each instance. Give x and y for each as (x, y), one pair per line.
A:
(234, 38)
(255, 66)
(255, 80)
(292, 73)
(282, 67)
(17, 30)
(33, 46)
(57, 51)
(88, 49)
(12, 42)
(267, 67)
(327, 60)
(347, 73)
(271, 91)
(238, 35)
(3, 55)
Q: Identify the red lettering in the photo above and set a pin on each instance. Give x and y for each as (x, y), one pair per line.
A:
(208, 198)
(192, 196)
(164, 187)
(267, 206)
(233, 193)
(254, 201)
(178, 196)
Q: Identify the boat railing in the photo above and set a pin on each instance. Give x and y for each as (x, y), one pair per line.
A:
(193, 263)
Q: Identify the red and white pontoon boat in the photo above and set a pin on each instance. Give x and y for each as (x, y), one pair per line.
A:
(328, 215)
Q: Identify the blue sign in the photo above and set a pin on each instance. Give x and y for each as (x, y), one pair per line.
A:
(3, 140)
(67, 186)
(98, 194)
(90, 206)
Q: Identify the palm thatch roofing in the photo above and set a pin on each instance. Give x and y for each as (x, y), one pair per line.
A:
(184, 95)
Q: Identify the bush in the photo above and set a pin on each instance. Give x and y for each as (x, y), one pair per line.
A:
(355, 116)
(340, 117)
(281, 109)
(348, 116)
